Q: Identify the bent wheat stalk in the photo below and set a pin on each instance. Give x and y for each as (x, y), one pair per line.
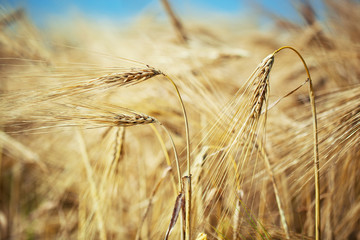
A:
(188, 180)
(316, 141)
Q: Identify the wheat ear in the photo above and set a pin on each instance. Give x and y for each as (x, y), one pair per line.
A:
(135, 75)
(130, 77)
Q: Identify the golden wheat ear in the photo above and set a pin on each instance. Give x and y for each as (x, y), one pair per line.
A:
(120, 79)
(261, 86)
(134, 76)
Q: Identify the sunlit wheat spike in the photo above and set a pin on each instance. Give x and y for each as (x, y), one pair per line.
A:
(130, 77)
(133, 76)
(261, 85)
(88, 115)
(94, 116)
(135, 119)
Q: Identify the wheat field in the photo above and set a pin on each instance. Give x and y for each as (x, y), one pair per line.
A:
(182, 128)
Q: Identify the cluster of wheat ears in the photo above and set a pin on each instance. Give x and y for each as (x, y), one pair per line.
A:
(186, 149)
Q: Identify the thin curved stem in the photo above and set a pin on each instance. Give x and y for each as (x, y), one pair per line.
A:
(188, 194)
(167, 158)
(316, 149)
(176, 157)
(180, 187)
(186, 124)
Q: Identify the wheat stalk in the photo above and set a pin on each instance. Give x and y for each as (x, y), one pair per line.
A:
(187, 182)
(316, 143)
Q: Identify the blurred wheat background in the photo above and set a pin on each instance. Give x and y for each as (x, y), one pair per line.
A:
(91, 128)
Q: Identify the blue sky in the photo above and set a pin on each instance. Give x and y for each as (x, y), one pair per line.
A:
(41, 10)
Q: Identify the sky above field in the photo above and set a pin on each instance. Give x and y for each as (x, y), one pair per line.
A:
(40, 10)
